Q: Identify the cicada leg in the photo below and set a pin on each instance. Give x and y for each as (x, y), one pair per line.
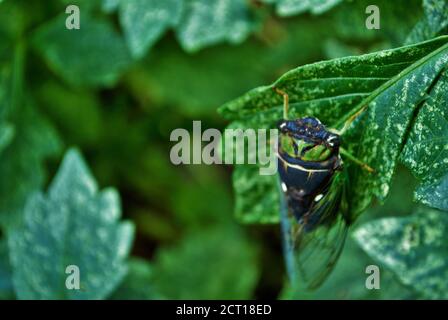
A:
(344, 152)
(352, 158)
(285, 102)
(348, 122)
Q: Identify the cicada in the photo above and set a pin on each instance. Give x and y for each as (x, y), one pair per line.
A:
(314, 209)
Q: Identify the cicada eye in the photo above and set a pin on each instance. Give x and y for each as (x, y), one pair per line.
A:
(333, 141)
(283, 126)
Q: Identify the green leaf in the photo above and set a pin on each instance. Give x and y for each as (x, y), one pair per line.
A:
(434, 23)
(137, 285)
(145, 21)
(73, 224)
(414, 248)
(390, 113)
(94, 55)
(215, 264)
(390, 84)
(257, 198)
(287, 8)
(206, 23)
(434, 194)
(426, 151)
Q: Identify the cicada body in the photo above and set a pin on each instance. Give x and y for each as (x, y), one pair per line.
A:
(311, 178)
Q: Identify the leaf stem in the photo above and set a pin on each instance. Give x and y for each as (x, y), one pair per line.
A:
(352, 158)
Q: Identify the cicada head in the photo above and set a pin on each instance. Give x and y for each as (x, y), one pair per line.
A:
(308, 159)
(308, 140)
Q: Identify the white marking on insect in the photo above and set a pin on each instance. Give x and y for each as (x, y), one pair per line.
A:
(284, 188)
(318, 197)
(296, 166)
(330, 140)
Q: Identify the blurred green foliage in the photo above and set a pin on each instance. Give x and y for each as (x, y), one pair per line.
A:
(117, 87)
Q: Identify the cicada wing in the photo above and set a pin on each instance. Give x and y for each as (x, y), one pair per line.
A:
(312, 251)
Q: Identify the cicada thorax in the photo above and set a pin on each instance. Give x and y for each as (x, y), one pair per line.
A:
(308, 158)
